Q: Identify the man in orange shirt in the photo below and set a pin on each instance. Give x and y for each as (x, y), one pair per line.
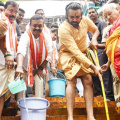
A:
(73, 47)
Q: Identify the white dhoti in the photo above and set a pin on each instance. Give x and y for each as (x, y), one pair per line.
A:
(38, 86)
(80, 87)
(6, 76)
(116, 86)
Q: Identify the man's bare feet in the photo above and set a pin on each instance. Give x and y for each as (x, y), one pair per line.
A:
(70, 118)
(92, 118)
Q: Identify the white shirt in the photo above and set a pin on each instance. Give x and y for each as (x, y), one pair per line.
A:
(106, 33)
(55, 45)
(24, 43)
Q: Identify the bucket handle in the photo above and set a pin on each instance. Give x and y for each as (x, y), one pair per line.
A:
(58, 73)
(32, 108)
(62, 75)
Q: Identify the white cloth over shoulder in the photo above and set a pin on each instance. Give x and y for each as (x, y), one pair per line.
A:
(2, 60)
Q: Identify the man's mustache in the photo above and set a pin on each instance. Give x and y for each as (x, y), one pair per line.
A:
(37, 30)
(74, 22)
(12, 16)
(92, 16)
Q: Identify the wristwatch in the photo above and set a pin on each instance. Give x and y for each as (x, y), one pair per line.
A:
(41, 68)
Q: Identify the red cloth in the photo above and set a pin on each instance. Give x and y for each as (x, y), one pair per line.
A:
(117, 62)
(115, 25)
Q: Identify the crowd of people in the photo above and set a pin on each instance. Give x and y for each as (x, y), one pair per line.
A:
(34, 53)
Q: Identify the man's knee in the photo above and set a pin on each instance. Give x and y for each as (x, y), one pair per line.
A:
(72, 82)
(87, 79)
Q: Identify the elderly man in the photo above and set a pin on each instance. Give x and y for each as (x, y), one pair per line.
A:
(73, 47)
(34, 51)
(111, 13)
(8, 51)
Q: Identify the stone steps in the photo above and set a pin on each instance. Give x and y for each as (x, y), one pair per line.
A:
(80, 111)
(58, 110)
(77, 99)
(64, 117)
(81, 104)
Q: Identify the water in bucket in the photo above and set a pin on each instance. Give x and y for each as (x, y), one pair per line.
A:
(25, 104)
(57, 85)
(56, 75)
(36, 108)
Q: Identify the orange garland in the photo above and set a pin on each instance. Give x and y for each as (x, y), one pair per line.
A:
(38, 54)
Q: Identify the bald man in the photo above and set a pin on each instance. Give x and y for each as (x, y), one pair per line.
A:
(111, 13)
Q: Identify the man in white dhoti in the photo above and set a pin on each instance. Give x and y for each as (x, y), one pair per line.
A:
(8, 45)
(34, 51)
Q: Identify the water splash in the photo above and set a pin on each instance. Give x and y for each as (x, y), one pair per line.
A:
(26, 105)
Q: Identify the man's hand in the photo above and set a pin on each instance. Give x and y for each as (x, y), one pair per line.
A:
(94, 44)
(105, 67)
(9, 62)
(97, 70)
(54, 70)
(39, 73)
(104, 51)
(19, 72)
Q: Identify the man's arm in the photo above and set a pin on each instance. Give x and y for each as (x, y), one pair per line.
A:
(94, 43)
(44, 63)
(101, 45)
(97, 71)
(94, 30)
(22, 49)
(19, 69)
(39, 71)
